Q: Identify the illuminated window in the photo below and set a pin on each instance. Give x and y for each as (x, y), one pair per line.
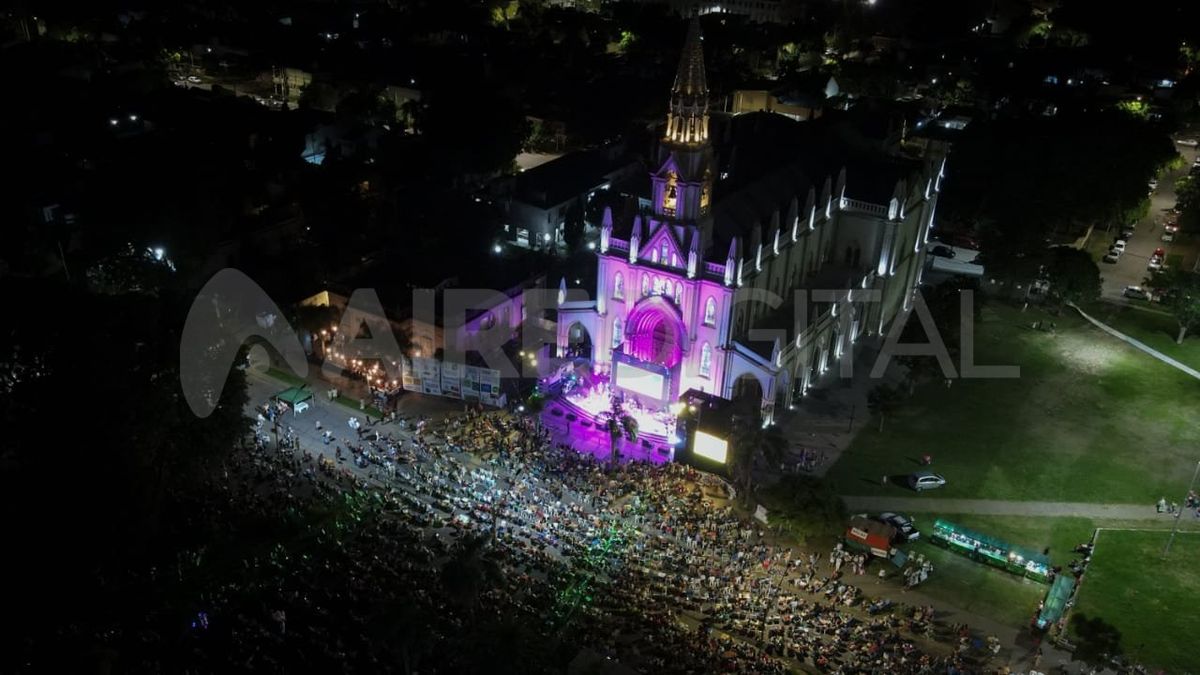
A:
(618, 332)
(663, 257)
(618, 286)
(670, 195)
(710, 312)
(706, 360)
(645, 285)
(654, 256)
(705, 189)
(678, 293)
(674, 260)
(660, 286)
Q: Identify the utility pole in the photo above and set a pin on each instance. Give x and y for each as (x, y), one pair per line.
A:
(1179, 513)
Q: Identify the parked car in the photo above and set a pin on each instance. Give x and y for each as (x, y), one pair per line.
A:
(905, 528)
(193, 79)
(925, 480)
(1154, 265)
(1189, 142)
(1136, 292)
(942, 251)
(1159, 252)
(1168, 236)
(1112, 256)
(1118, 246)
(1126, 232)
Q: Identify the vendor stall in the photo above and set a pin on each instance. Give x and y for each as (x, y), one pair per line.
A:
(870, 536)
(1056, 601)
(991, 551)
(296, 398)
(875, 538)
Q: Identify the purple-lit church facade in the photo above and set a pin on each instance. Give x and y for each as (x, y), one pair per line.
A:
(665, 301)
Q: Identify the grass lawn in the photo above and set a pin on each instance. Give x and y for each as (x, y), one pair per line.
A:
(1155, 328)
(1090, 419)
(285, 377)
(1152, 601)
(987, 591)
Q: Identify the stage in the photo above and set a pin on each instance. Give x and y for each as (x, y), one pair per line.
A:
(574, 421)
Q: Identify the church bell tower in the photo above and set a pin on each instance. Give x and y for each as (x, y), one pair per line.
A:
(682, 185)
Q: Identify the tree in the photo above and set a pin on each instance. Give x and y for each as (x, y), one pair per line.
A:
(619, 424)
(401, 632)
(534, 405)
(1074, 276)
(1097, 641)
(573, 227)
(318, 96)
(1029, 182)
(139, 446)
(469, 571)
(750, 440)
(944, 303)
(884, 400)
(1181, 294)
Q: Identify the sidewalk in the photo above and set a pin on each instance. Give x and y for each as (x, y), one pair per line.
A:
(334, 416)
(833, 411)
(997, 507)
(1184, 368)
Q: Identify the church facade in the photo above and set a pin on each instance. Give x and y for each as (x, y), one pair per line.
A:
(730, 293)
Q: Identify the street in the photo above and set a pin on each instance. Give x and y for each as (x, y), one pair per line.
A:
(1130, 269)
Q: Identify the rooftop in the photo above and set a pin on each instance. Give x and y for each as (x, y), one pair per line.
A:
(559, 180)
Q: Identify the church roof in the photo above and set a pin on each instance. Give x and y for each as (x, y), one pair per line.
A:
(689, 79)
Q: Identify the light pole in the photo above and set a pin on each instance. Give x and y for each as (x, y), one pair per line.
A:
(1179, 513)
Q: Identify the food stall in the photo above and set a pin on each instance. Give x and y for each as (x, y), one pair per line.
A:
(991, 551)
(1055, 604)
(875, 538)
(297, 399)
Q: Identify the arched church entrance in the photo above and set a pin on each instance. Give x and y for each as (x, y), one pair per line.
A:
(747, 392)
(654, 333)
(579, 342)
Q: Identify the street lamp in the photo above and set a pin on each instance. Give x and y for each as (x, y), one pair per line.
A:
(1179, 512)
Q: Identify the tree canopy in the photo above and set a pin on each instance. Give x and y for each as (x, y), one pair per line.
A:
(1074, 276)
(1026, 182)
(1181, 295)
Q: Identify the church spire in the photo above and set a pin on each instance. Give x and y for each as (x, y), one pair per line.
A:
(687, 120)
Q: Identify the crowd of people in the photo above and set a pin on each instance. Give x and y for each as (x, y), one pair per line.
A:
(481, 524)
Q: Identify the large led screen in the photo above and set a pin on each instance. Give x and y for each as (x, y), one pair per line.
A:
(710, 447)
(640, 381)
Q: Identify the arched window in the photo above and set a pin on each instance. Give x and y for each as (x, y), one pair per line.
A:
(660, 286)
(619, 286)
(664, 252)
(653, 256)
(618, 332)
(645, 285)
(674, 260)
(710, 312)
(678, 294)
(706, 360)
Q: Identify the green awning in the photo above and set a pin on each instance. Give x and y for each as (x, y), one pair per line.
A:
(1056, 600)
(946, 527)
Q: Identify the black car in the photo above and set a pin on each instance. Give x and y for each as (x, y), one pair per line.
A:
(942, 252)
(905, 528)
